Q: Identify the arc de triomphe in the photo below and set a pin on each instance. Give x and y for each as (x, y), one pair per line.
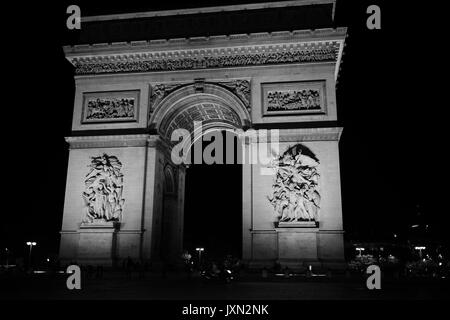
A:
(131, 96)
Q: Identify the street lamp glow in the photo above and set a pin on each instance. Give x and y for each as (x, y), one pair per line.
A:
(360, 249)
(7, 260)
(199, 250)
(420, 248)
(31, 244)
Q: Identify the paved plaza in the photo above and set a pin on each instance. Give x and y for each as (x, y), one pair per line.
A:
(248, 287)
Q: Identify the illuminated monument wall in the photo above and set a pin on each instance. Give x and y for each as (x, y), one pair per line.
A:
(125, 197)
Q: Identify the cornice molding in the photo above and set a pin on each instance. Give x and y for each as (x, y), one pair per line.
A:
(311, 134)
(241, 50)
(299, 135)
(113, 141)
(202, 10)
(156, 141)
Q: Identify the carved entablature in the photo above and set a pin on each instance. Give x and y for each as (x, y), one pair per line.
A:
(93, 66)
(300, 46)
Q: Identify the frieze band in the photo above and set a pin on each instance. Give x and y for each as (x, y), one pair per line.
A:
(204, 62)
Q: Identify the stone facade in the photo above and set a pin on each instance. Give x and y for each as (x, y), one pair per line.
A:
(220, 81)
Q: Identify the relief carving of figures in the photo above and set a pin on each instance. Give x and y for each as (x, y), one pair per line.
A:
(295, 191)
(110, 108)
(159, 92)
(241, 88)
(103, 194)
(188, 63)
(293, 100)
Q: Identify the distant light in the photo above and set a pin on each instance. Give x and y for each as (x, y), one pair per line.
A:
(6, 249)
(361, 249)
(440, 263)
(31, 243)
(200, 249)
(420, 248)
(48, 260)
(414, 226)
(395, 236)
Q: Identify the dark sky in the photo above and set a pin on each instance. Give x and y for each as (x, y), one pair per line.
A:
(391, 104)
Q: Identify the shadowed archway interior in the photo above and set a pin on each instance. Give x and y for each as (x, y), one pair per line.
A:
(213, 206)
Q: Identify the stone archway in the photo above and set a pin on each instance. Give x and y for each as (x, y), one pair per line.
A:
(209, 103)
(209, 82)
(216, 108)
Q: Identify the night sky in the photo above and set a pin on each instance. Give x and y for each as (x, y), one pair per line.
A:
(390, 104)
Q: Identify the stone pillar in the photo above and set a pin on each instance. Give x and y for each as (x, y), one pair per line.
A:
(180, 210)
(97, 244)
(246, 211)
(297, 246)
(163, 209)
(82, 242)
(152, 207)
(266, 240)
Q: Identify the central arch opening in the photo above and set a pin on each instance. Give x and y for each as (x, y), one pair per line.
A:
(213, 201)
(211, 212)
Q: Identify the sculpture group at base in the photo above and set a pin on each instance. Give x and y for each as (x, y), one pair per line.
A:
(104, 186)
(295, 190)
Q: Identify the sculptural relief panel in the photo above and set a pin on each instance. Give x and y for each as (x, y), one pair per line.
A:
(118, 106)
(296, 196)
(294, 98)
(102, 197)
